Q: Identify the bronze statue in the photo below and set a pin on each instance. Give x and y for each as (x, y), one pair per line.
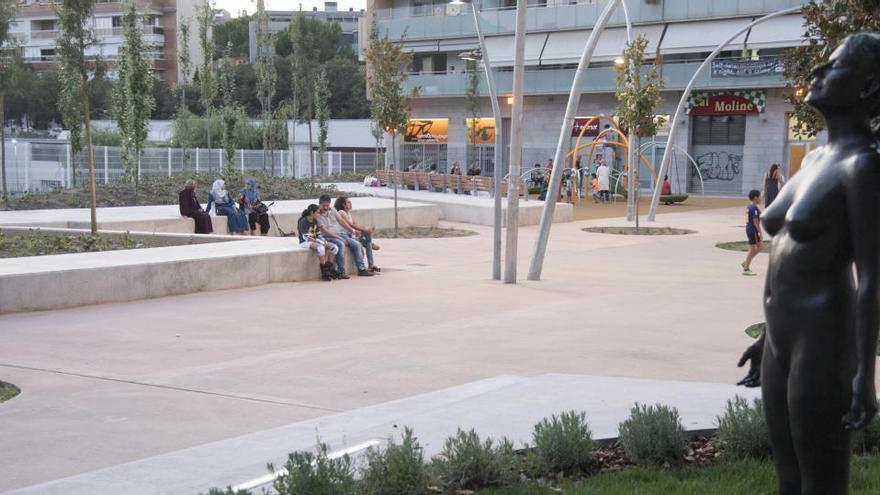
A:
(815, 361)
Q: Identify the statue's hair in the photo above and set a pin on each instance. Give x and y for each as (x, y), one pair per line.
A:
(864, 49)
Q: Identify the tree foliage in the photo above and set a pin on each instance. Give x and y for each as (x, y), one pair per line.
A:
(322, 112)
(472, 102)
(388, 67)
(234, 31)
(205, 19)
(133, 95)
(637, 93)
(826, 25)
(266, 76)
(230, 113)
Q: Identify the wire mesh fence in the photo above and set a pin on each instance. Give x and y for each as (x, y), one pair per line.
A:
(37, 166)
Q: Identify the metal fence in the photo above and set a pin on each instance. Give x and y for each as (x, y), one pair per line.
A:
(45, 165)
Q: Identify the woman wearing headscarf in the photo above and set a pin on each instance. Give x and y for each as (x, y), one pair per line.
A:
(190, 207)
(236, 220)
(257, 212)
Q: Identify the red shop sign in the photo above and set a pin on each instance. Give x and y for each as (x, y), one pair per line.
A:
(724, 104)
(591, 123)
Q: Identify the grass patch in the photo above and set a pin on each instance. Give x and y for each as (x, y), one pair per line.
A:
(728, 478)
(742, 246)
(421, 233)
(162, 190)
(8, 391)
(37, 243)
(640, 231)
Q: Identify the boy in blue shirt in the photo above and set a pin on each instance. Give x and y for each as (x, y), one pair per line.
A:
(753, 230)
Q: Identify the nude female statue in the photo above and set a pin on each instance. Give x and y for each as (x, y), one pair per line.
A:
(815, 361)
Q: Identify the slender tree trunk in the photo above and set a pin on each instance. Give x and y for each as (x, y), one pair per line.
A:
(3, 143)
(394, 158)
(311, 154)
(91, 154)
(208, 127)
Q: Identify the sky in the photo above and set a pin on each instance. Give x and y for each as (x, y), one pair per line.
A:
(235, 6)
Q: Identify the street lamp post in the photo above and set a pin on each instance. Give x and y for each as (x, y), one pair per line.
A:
(496, 114)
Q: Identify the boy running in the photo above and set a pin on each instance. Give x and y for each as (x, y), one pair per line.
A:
(753, 230)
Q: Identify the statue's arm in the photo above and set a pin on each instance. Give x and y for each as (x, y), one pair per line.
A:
(753, 355)
(863, 203)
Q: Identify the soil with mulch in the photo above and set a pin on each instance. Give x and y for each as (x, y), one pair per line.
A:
(700, 451)
(36, 243)
(639, 231)
(421, 233)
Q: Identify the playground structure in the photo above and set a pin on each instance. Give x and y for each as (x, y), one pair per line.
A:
(619, 140)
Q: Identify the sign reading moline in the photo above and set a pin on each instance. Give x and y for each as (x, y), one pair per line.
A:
(427, 131)
(726, 103)
(483, 129)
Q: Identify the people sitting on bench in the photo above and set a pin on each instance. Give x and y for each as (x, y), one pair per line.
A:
(190, 207)
(236, 220)
(257, 211)
(364, 235)
(336, 230)
(310, 238)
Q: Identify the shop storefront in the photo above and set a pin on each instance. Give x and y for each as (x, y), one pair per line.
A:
(718, 135)
(425, 143)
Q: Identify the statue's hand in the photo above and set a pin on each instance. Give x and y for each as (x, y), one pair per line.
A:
(864, 404)
(753, 354)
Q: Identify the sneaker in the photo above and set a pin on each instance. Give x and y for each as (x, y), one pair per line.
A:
(748, 272)
(342, 276)
(376, 247)
(365, 273)
(375, 269)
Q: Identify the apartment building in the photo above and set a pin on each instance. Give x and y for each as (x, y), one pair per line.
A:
(737, 123)
(36, 30)
(279, 20)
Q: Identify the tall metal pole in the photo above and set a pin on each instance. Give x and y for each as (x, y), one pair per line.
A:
(556, 175)
(496, 114)
(516, 116)
(673, 127)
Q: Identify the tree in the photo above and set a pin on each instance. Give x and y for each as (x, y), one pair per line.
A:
(184, 61)
(236, 32)
(266, 78)
(390, 108)
(348, 88)
(7, 13)
(205, 19)
(230, 112)
(472, 104)
(305, 64)
(637, 96)
(322, 112)
(133, 101)
(76, 36)
(827, 24)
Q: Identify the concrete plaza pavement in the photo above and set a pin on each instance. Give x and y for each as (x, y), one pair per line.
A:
(108, 384)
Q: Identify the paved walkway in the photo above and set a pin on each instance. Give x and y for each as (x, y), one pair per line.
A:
(104, 385)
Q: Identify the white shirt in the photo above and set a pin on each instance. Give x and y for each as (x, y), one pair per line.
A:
(603, 173)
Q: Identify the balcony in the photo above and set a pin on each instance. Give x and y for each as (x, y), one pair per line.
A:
(421, 23)
(50, 34)
(598, 80)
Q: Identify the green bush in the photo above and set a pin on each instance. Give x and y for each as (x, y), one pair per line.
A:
(653, 435)
(466, 463)
(399, 469)
(673, 198)
(227, 491)
(742, 430)
(563, 444)
(315, 474)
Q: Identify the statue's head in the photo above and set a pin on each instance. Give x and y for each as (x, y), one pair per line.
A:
(850, 79)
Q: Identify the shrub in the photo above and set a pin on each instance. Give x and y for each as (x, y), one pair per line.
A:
(315, 474)
(563, 444)
(742, 430)
(399, 469)
(466, 463)
(227, 491)
(653, 435)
